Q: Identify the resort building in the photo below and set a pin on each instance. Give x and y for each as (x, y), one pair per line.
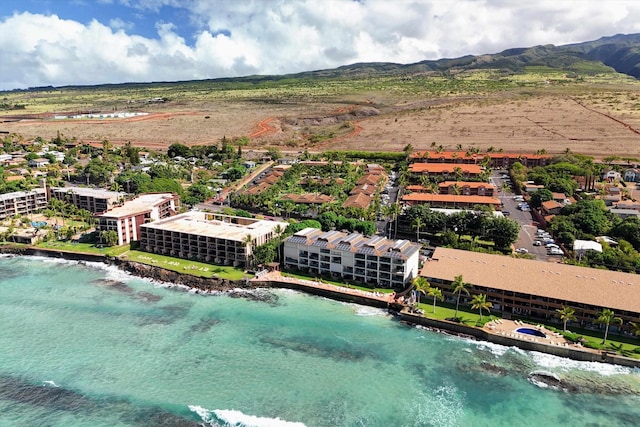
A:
(22, 202)
(450, 200)
(464, 188)
(496, 160)
(92, 199)
(446, 169)
(208, 237)
(376, 260)
(127, 218)
(536, 289)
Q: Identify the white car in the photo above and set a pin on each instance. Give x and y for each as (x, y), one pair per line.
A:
(552, 245)
(537, 243)
(522, 251)
(555, 251)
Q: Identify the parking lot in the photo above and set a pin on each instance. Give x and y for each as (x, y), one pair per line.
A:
(528, 231)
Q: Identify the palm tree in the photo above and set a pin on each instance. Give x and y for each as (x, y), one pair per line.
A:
(635, 328)
(607, 317)
(417, 223)
(480, 302)
(421, 285)
(435, 293)
(565, 314)
(459, 286)
(246, 242)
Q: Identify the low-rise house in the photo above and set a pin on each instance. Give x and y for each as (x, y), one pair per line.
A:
(611, 176)
(127, 218)
(632, 175)
(551, 207)
(38, 163)
(376, 260)
(625, 213)
(209, 237)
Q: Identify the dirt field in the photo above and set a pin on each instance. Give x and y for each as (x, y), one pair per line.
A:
(598, 123)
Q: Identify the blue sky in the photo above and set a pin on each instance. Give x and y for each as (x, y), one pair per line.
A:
(63, 42)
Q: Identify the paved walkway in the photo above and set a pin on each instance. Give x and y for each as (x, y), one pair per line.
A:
(275, 276)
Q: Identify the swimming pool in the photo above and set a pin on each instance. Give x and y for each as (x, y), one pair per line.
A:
(530, 331)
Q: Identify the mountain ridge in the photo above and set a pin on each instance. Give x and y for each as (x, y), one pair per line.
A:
(620, 52)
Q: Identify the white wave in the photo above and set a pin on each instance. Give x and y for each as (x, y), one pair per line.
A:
(555, 362)
(233, 418)
(443, 407)
(50, 383)
(363, 310)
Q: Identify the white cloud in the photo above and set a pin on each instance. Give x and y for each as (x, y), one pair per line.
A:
(275, 36)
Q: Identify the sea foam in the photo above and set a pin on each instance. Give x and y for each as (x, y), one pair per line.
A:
(233, 418)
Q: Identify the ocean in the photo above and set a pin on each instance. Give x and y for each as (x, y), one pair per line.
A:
(89, 345)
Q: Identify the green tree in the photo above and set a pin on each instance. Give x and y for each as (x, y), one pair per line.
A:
(459, 286)
(435, 293)
(607, 317)
(480, 302)
(421, 286)
(503, 231)
(635, 328)
(109, 237)
(417, 223)
(176, 150)
(540, 196)
(566, 314)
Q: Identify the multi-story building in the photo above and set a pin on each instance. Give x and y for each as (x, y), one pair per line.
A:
(209, 237)
(376, 260)
(446, 170)
(92, 199)
(126, 219)
(450, 200)
(536, 289)
(495, 159)
(22, 202)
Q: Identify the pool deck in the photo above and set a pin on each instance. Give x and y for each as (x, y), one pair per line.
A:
(508, 328)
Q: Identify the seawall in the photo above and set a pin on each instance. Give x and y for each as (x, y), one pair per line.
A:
(216, 284)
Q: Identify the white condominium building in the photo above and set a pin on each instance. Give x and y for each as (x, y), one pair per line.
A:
(209, 237)
(126, 219)
(22, 202)
(95, 200)
(375, 260)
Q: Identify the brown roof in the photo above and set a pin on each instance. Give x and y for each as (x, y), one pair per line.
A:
(367, 189)
(600, 288)
(462, 184)
(450, 198)
(450, 155)
(359, 200)
(551, 204)
(441, 168)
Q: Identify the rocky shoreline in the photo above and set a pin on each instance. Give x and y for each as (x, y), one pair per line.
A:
(213, 285)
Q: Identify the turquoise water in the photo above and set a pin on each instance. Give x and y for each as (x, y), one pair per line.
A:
(87, 345)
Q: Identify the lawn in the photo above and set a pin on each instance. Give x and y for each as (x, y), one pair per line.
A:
(593, 339)
(89, 248)
(179, 265)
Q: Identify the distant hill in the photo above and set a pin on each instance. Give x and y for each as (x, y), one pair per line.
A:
(620, 52)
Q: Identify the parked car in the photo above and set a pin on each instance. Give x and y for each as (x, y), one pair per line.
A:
(555, 251)
(537, 243)
(552, 245)
(522, 251)
(506, 213)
